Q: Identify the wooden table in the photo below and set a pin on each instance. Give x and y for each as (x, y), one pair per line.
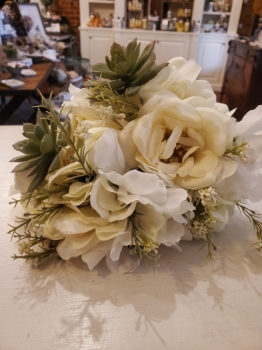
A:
(187, 303)
(32, 84)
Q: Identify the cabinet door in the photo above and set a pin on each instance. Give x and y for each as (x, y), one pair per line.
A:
(167, 49)
(144, 40)
(95, 44)
(212, 56)
(99, 47)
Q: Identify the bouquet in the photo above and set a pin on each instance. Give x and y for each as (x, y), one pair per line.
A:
(145, 157)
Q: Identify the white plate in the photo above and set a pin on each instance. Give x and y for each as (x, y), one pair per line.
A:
(13, 83)
(28, 72)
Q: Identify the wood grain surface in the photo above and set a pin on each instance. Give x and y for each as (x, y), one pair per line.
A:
(187, 303)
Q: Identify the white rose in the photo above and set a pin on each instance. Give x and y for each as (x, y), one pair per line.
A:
(179, 79)
(182, 144)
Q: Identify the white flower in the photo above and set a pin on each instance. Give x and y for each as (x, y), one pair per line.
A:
(179, 79)
(246, 181)
(78, 99)
(199, 230)
(104, 152)
(115, 197)
(84, 233)
(246, 156)
(182, 144)
(108, 113)
(82, 130)
(208, 196)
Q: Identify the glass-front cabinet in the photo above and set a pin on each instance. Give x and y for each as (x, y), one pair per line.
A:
(216, 16)
(177, 15)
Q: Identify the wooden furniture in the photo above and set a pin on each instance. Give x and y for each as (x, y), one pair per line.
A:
(187, 303)
(208, 49)
(243, 76)
(32, 85)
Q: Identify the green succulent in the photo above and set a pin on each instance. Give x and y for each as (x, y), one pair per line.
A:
(127, 70)
(41, 150)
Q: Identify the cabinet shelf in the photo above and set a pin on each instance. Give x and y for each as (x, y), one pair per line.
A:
(217, 13)
(101, 2)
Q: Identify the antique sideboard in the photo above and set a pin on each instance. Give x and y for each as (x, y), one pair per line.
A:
(242, 87)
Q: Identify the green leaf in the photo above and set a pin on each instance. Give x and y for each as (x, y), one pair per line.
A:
(53, 132)
(116, 84)
(42, 121)
(133, 59)
(39, 132)
(25, 158)
(115, 60)
(28, 127)
(60, 144)
(144, 70)
(106, 74)
(26, 165)
(121, 69)
(149, 76)
(130, 50)
(42, 166)
(55, 164)
(108, 63)
(102, 68)
(47, 144)
(38, 179)
(145, 55)
(30, 147)
(115, 47)
(124, 52)
(31, 136)
(132, 91)
(19, 145)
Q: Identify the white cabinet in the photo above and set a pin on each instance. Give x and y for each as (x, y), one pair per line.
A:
(171, 45)
(212, 57)
(167, 44)
(96, 43)
(208, 49)
(220, 13)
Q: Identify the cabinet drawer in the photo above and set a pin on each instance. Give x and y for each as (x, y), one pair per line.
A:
(237, 68)
(241, 51)
(235, 93)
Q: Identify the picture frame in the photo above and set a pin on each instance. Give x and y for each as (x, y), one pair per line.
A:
(31, 17)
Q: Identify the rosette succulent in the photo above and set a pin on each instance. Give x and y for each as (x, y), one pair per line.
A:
(127, 70)
(41, 151)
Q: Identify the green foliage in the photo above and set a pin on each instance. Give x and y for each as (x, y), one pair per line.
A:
(253, 218)
(104, 95)
(41, 150)
(127, 70)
